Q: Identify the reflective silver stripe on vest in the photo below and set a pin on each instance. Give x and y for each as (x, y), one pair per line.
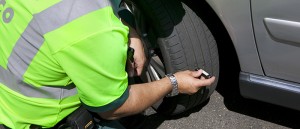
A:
(25, 89)
(32, 39)
(50, 19)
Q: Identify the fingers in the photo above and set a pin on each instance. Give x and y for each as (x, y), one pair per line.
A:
(139, 62)
(135, 68)
(130, 68)
(139, 54)
(139, 68)
(205, 82)
(189, 82)
(197, 73)
(200, 80)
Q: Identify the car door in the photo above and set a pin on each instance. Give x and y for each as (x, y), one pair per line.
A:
(276, 26)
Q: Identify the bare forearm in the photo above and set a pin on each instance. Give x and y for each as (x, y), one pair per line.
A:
(141, 96)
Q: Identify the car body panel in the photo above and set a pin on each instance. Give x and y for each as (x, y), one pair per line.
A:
(266, 36)
(277, 26)
(238, 22)
(271, 90)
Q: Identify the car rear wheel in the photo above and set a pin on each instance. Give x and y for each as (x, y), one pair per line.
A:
(175, 39)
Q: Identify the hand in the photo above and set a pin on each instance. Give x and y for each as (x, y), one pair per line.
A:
(135, 68)
(189, 82)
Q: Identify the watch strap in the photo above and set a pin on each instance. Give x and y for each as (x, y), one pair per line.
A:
(174, 84)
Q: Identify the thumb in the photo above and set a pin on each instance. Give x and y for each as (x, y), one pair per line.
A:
(197, 73)
(139, 70)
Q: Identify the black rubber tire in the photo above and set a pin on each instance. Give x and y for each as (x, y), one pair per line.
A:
(185, 43)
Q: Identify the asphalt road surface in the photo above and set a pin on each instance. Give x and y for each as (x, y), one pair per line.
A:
(226, 109)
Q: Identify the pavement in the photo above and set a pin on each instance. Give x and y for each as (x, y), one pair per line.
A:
(226, 109)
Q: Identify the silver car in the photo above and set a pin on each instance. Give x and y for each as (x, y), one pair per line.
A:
(264, 38)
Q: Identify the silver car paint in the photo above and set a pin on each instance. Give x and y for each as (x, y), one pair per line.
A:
(266, 35)
(236, 16)
(283, 31)
(277, 26)
(275, 44)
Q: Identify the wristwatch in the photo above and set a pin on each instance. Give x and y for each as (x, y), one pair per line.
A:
(174, 83)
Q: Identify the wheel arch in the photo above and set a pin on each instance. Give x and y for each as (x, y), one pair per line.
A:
(224, 41)
(224, 19)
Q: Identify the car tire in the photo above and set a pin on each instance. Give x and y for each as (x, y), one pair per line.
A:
(185, 43)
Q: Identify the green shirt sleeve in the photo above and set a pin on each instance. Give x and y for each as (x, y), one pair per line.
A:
(94, 58)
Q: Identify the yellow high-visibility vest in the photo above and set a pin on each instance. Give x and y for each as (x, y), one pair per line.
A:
(56, 55)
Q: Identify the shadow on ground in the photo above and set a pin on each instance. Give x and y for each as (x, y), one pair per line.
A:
(153, 121)
(233, 101)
